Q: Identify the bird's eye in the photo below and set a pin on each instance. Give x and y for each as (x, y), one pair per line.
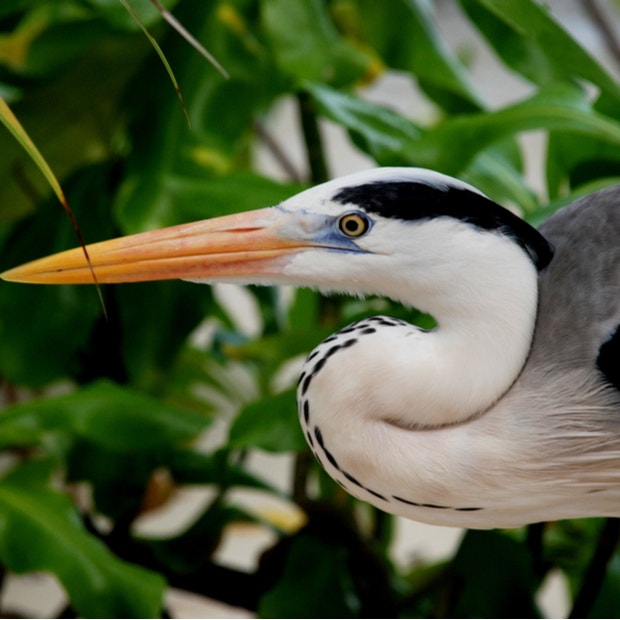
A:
(353, 224)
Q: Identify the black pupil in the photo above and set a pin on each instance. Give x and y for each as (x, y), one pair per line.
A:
(353, 225)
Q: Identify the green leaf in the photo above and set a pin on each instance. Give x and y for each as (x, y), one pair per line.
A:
(13, 6)
(569, 546)
(274, 350)
(64, 42)
(270, 424)
(80, 103)
(113, 11)
(118, 419)
(558, 107)
(188, 551)
(19, 133)
(304, 312)
(608, 600)
(188, 467)
(44, 330)
(519, 52)
(391, 140)
(491, 172)
(156, 318)
(118, 479)
(494, 577)
(574, 160)
(315, 583)
(41, 531)
(419, 49)
(529, 40)
(174, 173)
(179, 198)
(307, 46)
(383, 134)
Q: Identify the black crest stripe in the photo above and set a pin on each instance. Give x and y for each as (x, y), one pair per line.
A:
(416, 200)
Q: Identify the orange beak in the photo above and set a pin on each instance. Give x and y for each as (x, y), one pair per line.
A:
(228, 248)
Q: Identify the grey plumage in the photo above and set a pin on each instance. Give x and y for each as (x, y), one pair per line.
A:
(578, 311)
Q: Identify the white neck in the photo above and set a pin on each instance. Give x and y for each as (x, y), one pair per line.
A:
(383, 405)
(485, 313)
(478, 349)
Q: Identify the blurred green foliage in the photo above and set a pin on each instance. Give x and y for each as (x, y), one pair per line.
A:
(117, 406)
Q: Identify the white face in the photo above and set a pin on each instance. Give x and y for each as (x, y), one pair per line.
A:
(360, 252)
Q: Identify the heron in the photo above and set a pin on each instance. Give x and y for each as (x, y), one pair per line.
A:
(506, 413)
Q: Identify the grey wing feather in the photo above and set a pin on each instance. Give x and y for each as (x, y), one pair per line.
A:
(562, 395)
(579, 304)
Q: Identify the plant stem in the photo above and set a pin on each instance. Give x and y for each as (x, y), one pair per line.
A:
(277, 152)
(595, 574)
(312, 138)
(535, 544)
(303, 464)
(602, 22)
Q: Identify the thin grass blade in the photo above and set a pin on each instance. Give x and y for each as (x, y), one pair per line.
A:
(11, 122)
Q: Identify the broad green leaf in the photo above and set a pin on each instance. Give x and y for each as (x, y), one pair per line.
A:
(270, 424)
(307, 46)
(44, 331)
(519, 52)
(556, 107)
(190, 467)
(491, 172)
(383, 134)
(188, 551)
(63, 42)
(533, 43)
(173, 173)
(574, 161)
(41, 531)
(118, 479)
(494, 576)
(156, 319)
(304, 312)
(375, 128)
(80, 112)
(315, 583)
(212, 381)
(608, 600)
(418, 48)
(181, 198)
(9, 7)
(275, 349)
(116, 418)
(569, 546)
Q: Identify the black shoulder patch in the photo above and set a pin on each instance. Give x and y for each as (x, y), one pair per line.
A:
(415, 200)
(608, 360)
